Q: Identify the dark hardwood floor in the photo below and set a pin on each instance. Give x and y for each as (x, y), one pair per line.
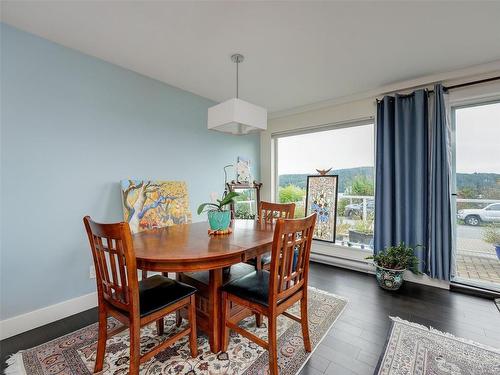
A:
(356, 341)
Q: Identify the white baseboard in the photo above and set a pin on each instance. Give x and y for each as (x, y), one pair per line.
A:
(363, 266)
(33, 319)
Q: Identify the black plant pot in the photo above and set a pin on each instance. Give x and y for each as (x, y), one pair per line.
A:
(360, 237)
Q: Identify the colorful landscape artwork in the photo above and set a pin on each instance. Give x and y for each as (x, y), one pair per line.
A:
(154, 204)
(321, 197)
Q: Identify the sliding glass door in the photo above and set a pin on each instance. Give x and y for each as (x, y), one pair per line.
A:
(477, 180)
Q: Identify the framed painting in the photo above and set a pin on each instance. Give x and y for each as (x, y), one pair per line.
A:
(154, 204)
(321, 197)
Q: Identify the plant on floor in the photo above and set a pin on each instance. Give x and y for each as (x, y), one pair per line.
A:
(392, 262)
(400, 257)
(219, 217)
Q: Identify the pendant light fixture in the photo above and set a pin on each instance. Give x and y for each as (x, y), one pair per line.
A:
(236, 116)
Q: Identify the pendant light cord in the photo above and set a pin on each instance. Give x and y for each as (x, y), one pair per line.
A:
(237, 78)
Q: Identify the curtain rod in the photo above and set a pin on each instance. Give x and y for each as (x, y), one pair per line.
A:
(473, 83)
(463, 84)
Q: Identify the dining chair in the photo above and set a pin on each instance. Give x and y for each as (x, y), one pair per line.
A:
(134, 303)
(271, 293)
(270, 212)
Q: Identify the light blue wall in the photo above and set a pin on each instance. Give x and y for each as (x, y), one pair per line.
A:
(73, 126)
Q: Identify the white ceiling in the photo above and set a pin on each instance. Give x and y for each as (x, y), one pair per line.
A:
(296, 53)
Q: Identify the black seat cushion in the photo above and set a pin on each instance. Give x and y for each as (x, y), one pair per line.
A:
(253, 287)
(157, 292)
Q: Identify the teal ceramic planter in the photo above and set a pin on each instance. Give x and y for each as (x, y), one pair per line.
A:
(219, 220)
(389, 279)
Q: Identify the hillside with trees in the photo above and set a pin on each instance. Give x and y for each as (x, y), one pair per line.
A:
(359, 181)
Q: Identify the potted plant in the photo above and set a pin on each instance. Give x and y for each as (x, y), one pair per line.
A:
(392, 262)
(491, 234)
(362, 232)
(218, 217)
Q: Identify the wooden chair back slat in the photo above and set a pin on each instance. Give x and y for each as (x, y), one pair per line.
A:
(115, 264)
(291, 236)
(270, 212)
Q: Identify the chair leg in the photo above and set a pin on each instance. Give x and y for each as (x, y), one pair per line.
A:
(225, 318)
(258, 262)
(273, 344)
(144, 275)
(101, 341)
(135, 347)
(178, 316)
(193, 338)
(160, 327)
(258, 320)
(304, 321)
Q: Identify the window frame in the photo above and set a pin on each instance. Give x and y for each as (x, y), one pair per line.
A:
(454, 105)
(320, 247)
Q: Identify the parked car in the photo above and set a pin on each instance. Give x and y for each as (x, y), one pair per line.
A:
(356, 209)
(476, 216)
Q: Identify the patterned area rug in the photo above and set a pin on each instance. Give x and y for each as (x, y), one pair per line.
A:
(75, 353)
(415, 349)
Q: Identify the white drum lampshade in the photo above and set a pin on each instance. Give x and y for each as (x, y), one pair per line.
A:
(236, 116)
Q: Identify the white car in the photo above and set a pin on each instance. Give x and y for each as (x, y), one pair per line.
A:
(488, 214)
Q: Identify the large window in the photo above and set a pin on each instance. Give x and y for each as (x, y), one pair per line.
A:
(477, 180)
(349, 151)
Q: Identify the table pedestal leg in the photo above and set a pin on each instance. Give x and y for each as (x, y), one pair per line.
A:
(214, 309)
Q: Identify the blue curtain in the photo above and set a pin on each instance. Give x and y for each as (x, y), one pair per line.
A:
(412, 188)
(401, 198)
(439, 245)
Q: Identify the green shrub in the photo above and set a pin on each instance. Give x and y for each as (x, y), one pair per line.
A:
(491, 234)
(364, 226)
(291, 194)
(362, 185)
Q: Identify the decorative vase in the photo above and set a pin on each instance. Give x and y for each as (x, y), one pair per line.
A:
(219, 220)
(497, 249)
(389, 279)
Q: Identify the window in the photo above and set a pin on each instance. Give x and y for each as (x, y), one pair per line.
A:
(477, 180)
(349, 151)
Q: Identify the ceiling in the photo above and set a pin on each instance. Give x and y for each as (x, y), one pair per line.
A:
(296, 53)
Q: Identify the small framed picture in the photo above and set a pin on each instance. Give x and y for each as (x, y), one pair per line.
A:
(321, 197)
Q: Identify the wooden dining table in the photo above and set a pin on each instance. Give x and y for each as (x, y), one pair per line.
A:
(189, 248)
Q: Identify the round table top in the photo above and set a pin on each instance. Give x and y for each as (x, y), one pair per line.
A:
(189, 247)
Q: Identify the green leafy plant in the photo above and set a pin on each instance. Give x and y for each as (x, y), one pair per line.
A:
(291, 194)
(243, 211)
(361, 185)
(491, 234)
(221, 203)
(398, 257)
(364, 226)
(343, 228)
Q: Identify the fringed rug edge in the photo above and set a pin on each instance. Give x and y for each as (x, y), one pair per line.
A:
(15, 364)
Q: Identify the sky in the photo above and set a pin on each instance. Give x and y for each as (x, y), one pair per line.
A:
(478, 139)
(477, 145)
(338, 149)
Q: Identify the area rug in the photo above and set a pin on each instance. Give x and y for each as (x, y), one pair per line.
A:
(75, 353)
(415, 349)
(497, 302)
